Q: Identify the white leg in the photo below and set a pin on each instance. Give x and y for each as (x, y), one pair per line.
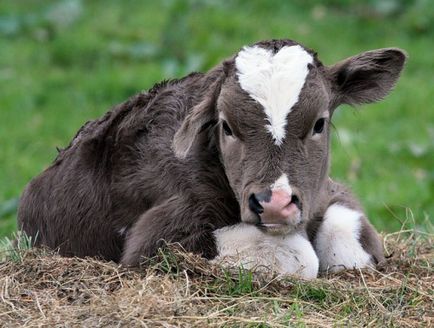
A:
(337, 242)
(246, 245)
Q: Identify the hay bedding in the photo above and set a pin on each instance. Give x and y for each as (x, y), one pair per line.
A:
(179, 289)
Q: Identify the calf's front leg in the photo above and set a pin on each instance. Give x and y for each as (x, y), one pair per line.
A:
(245, 245)
(176, 220)
(342, 237)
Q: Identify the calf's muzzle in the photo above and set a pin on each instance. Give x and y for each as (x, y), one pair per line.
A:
(276, 208)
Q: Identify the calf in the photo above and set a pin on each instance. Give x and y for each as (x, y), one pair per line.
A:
(190, 159)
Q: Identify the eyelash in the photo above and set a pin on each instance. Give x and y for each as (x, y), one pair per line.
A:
(226, 129)
(319, 126)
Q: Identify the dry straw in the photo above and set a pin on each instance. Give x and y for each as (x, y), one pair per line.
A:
(175, 289)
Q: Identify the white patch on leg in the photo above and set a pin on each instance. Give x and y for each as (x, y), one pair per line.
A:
(247, 246)
(275, 81)
(337, 241)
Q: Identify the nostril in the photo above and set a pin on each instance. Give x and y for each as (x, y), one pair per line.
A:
(254, 205)
(295, 200)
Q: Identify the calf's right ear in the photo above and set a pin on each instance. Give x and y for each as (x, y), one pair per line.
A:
(201, 115)
(367, 77)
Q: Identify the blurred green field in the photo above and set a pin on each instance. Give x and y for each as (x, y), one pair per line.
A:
(65, 62)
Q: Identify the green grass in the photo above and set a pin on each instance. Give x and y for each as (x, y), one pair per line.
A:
(65, 62)
(13, 249)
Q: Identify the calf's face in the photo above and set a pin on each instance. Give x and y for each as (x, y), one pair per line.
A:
(273, 103)
(273, 114)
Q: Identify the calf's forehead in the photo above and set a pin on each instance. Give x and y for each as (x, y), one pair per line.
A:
(274, 84)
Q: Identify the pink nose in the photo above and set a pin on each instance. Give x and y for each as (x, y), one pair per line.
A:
(278, 209)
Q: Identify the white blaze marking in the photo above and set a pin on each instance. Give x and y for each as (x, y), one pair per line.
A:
(244, 244)
(274, 80)
(282, 183)
(337, 241)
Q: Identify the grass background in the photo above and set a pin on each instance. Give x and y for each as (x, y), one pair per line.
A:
(65, 62)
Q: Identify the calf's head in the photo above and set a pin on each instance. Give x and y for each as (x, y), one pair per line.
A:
(271, 105)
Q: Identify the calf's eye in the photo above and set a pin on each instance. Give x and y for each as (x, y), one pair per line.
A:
(319, 126)
(226, 129)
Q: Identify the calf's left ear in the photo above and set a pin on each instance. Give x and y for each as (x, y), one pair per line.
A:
(367, 77)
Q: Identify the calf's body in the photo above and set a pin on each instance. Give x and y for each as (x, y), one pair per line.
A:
(191, 159)
(121, 168)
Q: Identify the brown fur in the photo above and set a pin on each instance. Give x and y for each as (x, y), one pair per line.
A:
(159, 168)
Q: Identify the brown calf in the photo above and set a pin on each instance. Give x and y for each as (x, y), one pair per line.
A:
(248, 141)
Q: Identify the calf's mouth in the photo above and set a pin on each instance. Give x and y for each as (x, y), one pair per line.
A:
(276, 211)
